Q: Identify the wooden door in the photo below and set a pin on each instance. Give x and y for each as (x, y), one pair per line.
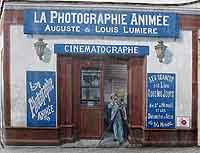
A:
(91, 100)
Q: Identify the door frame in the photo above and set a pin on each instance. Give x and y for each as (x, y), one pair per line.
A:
(68, 115)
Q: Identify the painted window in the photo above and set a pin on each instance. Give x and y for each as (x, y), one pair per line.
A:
(90, 86)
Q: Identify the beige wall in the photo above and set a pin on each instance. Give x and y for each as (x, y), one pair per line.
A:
(23, 58)
(181, 65)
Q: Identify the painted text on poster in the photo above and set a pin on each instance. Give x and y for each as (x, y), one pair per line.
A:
(161, 93)
(41, 99)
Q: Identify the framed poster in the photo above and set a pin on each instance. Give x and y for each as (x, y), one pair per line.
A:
(41, 99)
(161, 93)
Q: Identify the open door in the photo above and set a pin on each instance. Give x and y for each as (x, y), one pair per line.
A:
(91, 99)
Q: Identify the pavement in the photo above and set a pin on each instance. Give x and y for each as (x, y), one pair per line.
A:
(107, 142)
(60, 149)
(107, 145)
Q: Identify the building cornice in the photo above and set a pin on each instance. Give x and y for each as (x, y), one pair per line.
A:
(144, 2)
(103, 6)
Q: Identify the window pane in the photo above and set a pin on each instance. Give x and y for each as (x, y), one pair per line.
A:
(84, 94)
(90, 78)
(90, 82)
(94, 94)
(90, 94)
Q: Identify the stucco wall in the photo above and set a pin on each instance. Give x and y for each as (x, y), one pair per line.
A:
(23, 58)
(180, 51)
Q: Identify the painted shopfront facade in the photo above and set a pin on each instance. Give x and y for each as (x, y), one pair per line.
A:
(62, 62)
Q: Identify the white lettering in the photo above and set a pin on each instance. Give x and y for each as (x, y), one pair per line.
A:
(42, 18)
(159, 20)
(36, 20)
(50, 28)
(133, 30)
(134, 19)
(123, 22)
(67, 18)
(39, 101)
(107, 18)
(61, 17)
(44, 114)
(148, 20)
(53, 15)
(165, 20)
(111, 19)
(86, 18)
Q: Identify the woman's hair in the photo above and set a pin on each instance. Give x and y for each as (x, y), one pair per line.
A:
(112, 95)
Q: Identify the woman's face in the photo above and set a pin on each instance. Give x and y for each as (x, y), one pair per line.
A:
(115, 98)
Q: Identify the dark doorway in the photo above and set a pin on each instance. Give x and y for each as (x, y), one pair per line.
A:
(115, 82)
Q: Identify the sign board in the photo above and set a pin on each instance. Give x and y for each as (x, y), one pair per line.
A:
(91, 22)
(87, 49)
(161, 93)
(41, 99)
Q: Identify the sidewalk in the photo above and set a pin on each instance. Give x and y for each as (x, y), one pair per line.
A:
(95, 144)
(50, 149)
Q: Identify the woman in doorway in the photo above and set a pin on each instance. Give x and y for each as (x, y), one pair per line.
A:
(118, 114)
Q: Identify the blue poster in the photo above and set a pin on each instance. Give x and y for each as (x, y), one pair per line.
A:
(41, 99)
(161, 93)
(91, 22)
(89, 49)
